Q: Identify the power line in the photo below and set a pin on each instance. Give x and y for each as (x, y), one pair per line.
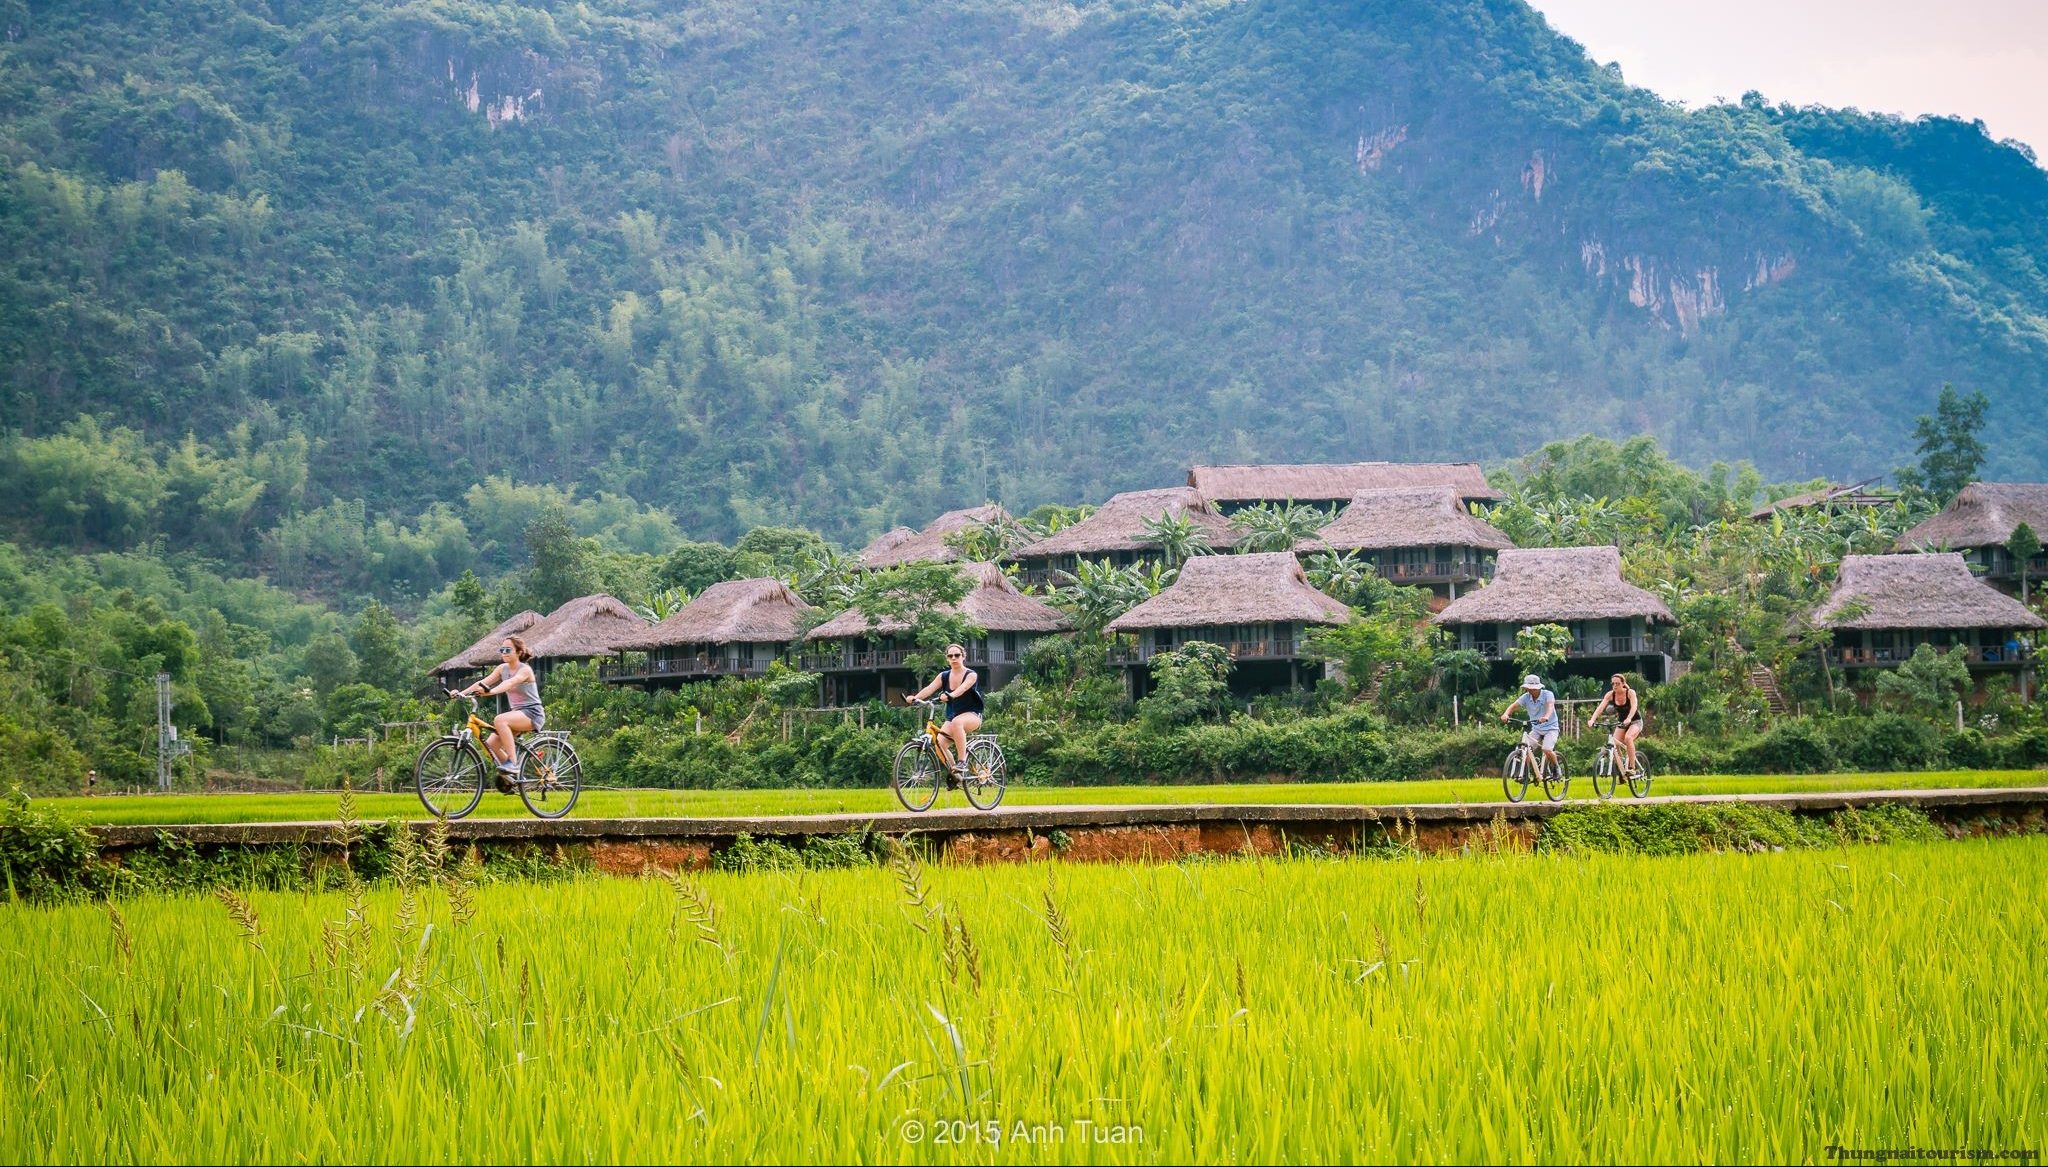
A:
(74, 662)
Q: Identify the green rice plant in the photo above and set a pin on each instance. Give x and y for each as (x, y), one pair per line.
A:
(1505, 1005)
(378, 807)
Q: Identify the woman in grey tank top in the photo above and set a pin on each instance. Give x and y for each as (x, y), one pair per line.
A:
(513, 677)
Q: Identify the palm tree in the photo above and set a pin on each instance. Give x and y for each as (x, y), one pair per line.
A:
(1278, 527)
(1178, 538)
(1100, 593)
(663, 604)
(826, 578)
(1338, 574)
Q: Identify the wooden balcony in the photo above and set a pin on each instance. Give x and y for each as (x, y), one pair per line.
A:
(1589, 646)
(1276, 648)
(2002, 656)
(1437, 571)
(869, 660)
(676, 668)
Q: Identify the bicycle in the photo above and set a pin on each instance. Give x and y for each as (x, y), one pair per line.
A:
(1609, 760)
(1526, 764)
(452, 769)
(917, 771)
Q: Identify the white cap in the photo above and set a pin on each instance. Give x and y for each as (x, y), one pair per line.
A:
(1532, 681)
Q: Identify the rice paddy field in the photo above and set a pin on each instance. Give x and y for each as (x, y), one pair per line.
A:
(1501, 1007)
(320, 806)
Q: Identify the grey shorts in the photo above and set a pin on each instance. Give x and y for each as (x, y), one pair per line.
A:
(534, 713)
(1542, 739)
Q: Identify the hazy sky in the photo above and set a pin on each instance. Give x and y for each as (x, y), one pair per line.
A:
(1983, 59)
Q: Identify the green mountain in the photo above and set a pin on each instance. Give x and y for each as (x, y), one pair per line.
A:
(847, 264)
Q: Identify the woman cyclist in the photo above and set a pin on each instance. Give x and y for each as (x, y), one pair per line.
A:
(514, 676)
(1628, 717)
(963, 707)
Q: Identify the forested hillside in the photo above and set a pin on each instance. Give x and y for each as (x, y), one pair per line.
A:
(342, 280)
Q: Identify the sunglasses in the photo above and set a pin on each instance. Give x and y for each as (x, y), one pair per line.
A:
(504, 652)
(954, 656)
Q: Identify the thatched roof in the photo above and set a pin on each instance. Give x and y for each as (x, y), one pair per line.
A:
(1984, 514)
(1247, 484)
(1554, 584)
(1919, 591)
(1235, 589)
(484, 653)
(584, 627)
(903, 545)
(1827, 496)
(1422, 517)
(738, 611)
(1119, 524)
(992, 604)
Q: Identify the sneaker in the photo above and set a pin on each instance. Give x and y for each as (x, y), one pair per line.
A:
(505, 776)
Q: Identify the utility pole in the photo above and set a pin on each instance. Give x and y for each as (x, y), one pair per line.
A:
(168, 747)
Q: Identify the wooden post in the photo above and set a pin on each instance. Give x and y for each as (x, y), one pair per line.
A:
(1454, 711)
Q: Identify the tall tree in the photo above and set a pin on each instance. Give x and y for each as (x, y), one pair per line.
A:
(1948, 444)
(560, 566)
(2024, 545)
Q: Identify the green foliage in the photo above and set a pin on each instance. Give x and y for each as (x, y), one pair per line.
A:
(1791, 747)
(1540, 648)
(1948, 444)
(561, 562)
(1929, 683)
(1885, 741)
(1189, 683)
(694, 566)
(2024, 545)
(1680, 830)
(1278, 526)
(1178, 538)
(1369, 643)
(44, 855)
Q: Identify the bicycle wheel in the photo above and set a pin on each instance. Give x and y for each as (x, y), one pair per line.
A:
(450, 777)
(1514, 776)
(1639, 778)
(550, 777)
(1556, 783)
(988, 775)
(915, 776)
(1603, 773)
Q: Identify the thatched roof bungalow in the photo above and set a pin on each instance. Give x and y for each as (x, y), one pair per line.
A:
(1882, 607)
(1116, 533)
(582, 629)
(903, 545)
(864, 658)
(1256, 606)
(1979, 523)
(483, 654)
(1232, 487)
(735, 628)
(1420, 536)
(1613, 622)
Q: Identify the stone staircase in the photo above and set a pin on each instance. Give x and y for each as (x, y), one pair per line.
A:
(1766, 682)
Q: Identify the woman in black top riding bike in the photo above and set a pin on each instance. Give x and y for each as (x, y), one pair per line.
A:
(1628, 716)
(962, 687)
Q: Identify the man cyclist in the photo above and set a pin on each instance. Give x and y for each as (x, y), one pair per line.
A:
(962, 687)
(1541, 706)
(1628, 717)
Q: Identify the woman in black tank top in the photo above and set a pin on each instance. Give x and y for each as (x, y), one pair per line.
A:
(1628, 715)
(962, 687)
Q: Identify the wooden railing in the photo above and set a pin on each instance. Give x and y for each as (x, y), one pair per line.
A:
(1272, 648)
(1868, 657)
(1584, 646)
(683, 666)
(1438, 571)
(872, 659)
